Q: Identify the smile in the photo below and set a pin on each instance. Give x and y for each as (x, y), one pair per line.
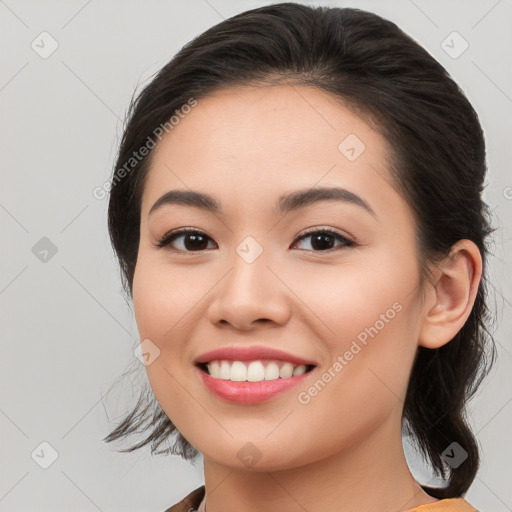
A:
(254, 371)
(251, 374)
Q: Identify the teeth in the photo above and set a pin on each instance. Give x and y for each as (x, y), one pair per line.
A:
(225, 371)
(299, 370)
(272, 371)
(286, 371)
(238, 371)
(255, 371)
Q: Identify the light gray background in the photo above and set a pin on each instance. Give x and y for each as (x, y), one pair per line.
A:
(66, 331)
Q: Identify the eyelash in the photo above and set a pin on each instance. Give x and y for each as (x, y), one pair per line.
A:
(172, 235)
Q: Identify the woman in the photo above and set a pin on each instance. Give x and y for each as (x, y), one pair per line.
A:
(297, 213)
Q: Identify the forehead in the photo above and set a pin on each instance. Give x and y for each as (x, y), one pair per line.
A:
(255, 142)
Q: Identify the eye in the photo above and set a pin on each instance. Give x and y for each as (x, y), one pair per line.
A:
(322, 239)
(193, 240)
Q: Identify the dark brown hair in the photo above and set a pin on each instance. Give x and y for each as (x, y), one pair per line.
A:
(438, 165)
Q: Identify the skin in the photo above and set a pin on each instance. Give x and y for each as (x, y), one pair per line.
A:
(246, 146)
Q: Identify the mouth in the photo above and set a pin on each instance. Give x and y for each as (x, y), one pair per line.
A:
(251, 374)
(251, 382)
(253, 371)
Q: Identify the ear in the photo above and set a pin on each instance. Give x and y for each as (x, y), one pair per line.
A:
(451, 296)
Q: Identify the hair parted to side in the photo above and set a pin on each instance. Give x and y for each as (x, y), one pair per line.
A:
(437, 164)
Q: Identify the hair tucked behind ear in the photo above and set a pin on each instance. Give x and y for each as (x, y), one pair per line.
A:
(437, 162)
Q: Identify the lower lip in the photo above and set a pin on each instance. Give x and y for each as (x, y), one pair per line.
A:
(250, 392)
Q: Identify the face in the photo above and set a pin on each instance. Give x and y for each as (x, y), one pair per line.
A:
(330, 280)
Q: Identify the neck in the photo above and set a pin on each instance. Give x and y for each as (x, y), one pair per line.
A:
(368, 476)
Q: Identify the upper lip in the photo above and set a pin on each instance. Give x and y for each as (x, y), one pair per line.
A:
(250, 354)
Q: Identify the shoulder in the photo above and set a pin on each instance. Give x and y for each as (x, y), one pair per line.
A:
(190, 502)
(448, 505)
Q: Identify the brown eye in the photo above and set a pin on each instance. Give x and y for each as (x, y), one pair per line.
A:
(325, 240)
(190, 240)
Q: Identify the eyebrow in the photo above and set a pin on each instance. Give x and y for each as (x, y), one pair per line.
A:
(286, 203)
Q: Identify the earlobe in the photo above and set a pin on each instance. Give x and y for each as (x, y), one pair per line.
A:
(453, 294)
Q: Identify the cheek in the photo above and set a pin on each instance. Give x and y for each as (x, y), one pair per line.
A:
(163, 300)
(356, 298)
(168, 308)
(365, 382)
(370, 325)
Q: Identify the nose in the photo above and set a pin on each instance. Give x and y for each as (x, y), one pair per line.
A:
(250, 296)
